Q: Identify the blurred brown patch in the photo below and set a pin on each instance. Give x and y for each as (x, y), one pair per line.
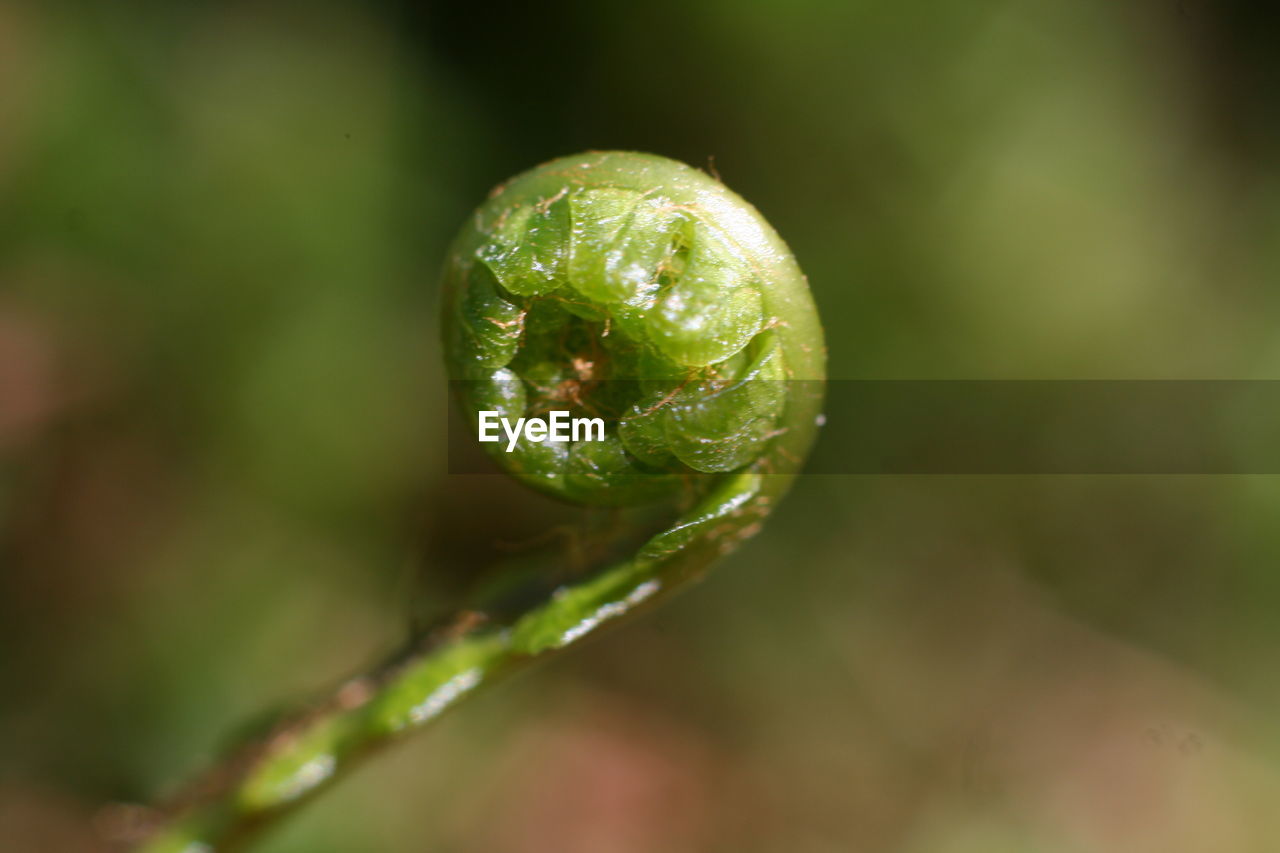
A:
(603, 775)
(33, 821)
(30, 388)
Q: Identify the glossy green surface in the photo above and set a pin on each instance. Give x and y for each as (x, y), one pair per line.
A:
(637, 289)
(706, 313)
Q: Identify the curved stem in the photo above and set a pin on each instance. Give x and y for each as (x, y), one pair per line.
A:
(702, 289)
(258, 783)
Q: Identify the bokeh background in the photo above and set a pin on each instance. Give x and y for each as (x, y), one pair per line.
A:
(222, 469)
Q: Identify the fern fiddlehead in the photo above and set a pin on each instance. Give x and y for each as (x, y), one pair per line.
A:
(625, 286)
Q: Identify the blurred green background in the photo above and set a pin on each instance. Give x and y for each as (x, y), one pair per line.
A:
(222, 415)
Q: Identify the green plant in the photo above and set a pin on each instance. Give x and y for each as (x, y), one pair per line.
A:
(623, 285)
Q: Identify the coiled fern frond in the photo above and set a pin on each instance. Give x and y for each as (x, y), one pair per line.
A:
(617, 285)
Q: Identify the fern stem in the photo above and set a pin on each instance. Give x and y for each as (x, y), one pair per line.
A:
(659, 275)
